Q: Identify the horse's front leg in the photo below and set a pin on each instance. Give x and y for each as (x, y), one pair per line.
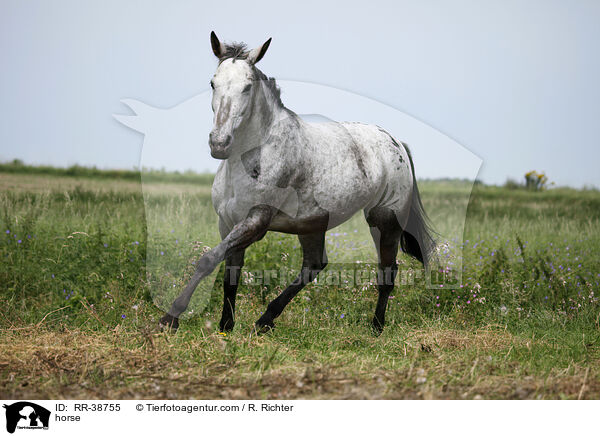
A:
(241, 236)
(231, 280)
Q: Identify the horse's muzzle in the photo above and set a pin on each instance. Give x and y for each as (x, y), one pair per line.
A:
(219, 146)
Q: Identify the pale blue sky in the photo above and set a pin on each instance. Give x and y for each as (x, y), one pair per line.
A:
(516, 82)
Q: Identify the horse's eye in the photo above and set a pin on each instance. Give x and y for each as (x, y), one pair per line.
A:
(212, 85)
(247, 88)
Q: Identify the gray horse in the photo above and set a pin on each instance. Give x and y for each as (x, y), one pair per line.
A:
(284, 174)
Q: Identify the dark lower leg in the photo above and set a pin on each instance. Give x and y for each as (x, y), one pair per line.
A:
(315, 259)
(386, 233)
(385, 287)
(276, 306)
(233, 269)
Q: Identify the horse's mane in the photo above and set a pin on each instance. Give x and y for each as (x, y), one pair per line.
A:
(235, 50)
(271, 85)
(238, 50)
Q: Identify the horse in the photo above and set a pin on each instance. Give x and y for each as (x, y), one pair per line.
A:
(284, 174)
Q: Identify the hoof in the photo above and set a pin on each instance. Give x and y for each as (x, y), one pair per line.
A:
(168, 323)
(260, 328)
(226, 326)
(376, 327)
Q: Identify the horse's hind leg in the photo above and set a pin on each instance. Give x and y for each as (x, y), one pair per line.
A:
(315, 259)
(386, 233)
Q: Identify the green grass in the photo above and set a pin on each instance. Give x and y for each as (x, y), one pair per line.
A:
(78, 298)
(81, 172)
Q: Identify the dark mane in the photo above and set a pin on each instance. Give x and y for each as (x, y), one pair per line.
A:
(235, 50)
(271, 85)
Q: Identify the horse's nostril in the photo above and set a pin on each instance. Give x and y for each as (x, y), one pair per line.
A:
(218, 143)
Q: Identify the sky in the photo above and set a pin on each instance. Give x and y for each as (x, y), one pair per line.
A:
(513, 82)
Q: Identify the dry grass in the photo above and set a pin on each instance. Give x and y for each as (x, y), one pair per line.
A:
(40, 364)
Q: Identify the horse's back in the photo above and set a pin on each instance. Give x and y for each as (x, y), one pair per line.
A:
(360, 165)
(391, 159)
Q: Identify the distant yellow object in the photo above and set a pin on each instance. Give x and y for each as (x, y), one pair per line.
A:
(536, 181)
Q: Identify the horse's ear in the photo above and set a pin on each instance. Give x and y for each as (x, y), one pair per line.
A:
(257, 54)
(217, 46)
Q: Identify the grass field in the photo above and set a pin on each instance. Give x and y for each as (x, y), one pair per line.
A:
(77, 316)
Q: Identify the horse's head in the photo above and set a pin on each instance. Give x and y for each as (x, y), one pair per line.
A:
(234, 88)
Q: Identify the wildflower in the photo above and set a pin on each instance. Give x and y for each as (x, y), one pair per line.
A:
(19, 241)
(7, 232)
(342, 316)
(123, 316)
(105, 245)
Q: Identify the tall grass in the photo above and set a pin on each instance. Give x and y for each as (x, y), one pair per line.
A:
(98, 261)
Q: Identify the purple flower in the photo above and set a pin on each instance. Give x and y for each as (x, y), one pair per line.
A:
(105, 245)
(19, 241)
(341, 316)
(162, 253)
(52, 275)
(123, 316)
(7, 232)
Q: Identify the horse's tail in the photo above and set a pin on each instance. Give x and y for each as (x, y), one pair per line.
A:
(417, 239)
